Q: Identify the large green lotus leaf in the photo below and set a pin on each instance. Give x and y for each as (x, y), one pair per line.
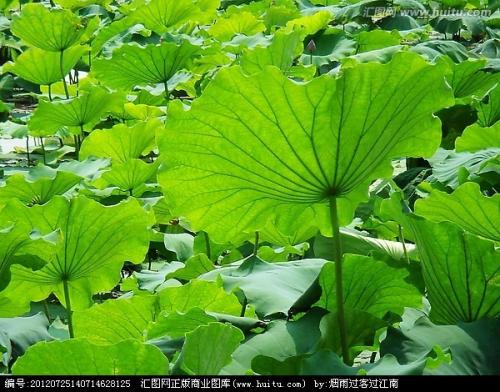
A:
(162, 16)
(466, 207)
(243, 22)
(271, 234)
(470, 78)
(93, 243)
(352, 11)
(48, 29)
(220, 253)
(282, 339)
(362, 330)
(488, 110)
(213, 57)
(310, 24)
(383, 55)
(208, 348)
(460, 272)
(152, 281)
(207, 296)
(279, 13)
(399, 22)
(473, 347)
(241, 43)
(19, 333)
(194, 267)
(137, 66)
(394, 209)
(389, 365)
(376, 39)
(43, 67)
(434, 49)
(77, 114)
(142, 112)
(38, 186)
(10, 308)
(446, 25)
(82, 357)
(77, 4)
(89, 169)
(115, 34)
(130, 176)
(289, 282)
(452, 168)
(324, 362)
(331, 45)
(284, 48)
(489, 174)
(372, 288)
(121, 143)
(476, 138)
(17, 244)
(490, 48)
(282, 253)
(176, 325)
(179, 243)
(115, 320)
(357, 243)
(253, 148)
(4, 107)
(258, 8)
